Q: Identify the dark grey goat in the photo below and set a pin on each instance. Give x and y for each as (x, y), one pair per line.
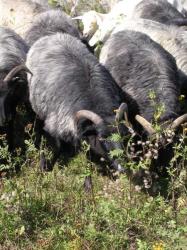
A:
(51, 22)
(139, 65)
(159, 10)
(73, 94)
(13, 83)
(170, 37)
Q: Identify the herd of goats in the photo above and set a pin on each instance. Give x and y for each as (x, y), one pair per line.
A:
(76, 96)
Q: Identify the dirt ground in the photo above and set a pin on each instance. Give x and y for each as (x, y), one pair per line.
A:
(18, 14)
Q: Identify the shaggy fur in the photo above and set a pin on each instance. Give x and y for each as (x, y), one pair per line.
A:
(68, 78)
(51, 22)
(160, 11)
(171, 38)
(139, 65)
(13, 51)
(180, 5)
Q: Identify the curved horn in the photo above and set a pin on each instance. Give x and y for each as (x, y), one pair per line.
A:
(145, 124)
(96, 119)
(14, 71)
(177, 122)
(121, 112)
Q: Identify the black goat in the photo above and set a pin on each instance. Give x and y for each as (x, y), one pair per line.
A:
(49, 23)
(139, 66)
(73, 94)
(13, 83)
(159, 10)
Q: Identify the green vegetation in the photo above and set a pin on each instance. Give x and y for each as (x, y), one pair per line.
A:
(54, 210)
(74, 7)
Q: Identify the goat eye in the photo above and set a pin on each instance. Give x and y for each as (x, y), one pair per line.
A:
(15, 78)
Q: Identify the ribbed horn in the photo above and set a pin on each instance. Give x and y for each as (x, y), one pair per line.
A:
(145, 124)
(96, 119)
(14, 71)
(177, 122)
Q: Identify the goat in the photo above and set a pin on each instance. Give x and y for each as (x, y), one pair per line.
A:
(77, 97)
(169, 37)
(48, 23)
(51, 22)
(139, 65)
(148, 76)
(159, 10)
(13, 83)
(97, 25)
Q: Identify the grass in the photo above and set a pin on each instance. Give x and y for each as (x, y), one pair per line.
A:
(79, 7)
(53, 210)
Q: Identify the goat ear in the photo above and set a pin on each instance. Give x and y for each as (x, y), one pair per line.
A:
(99, 18)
